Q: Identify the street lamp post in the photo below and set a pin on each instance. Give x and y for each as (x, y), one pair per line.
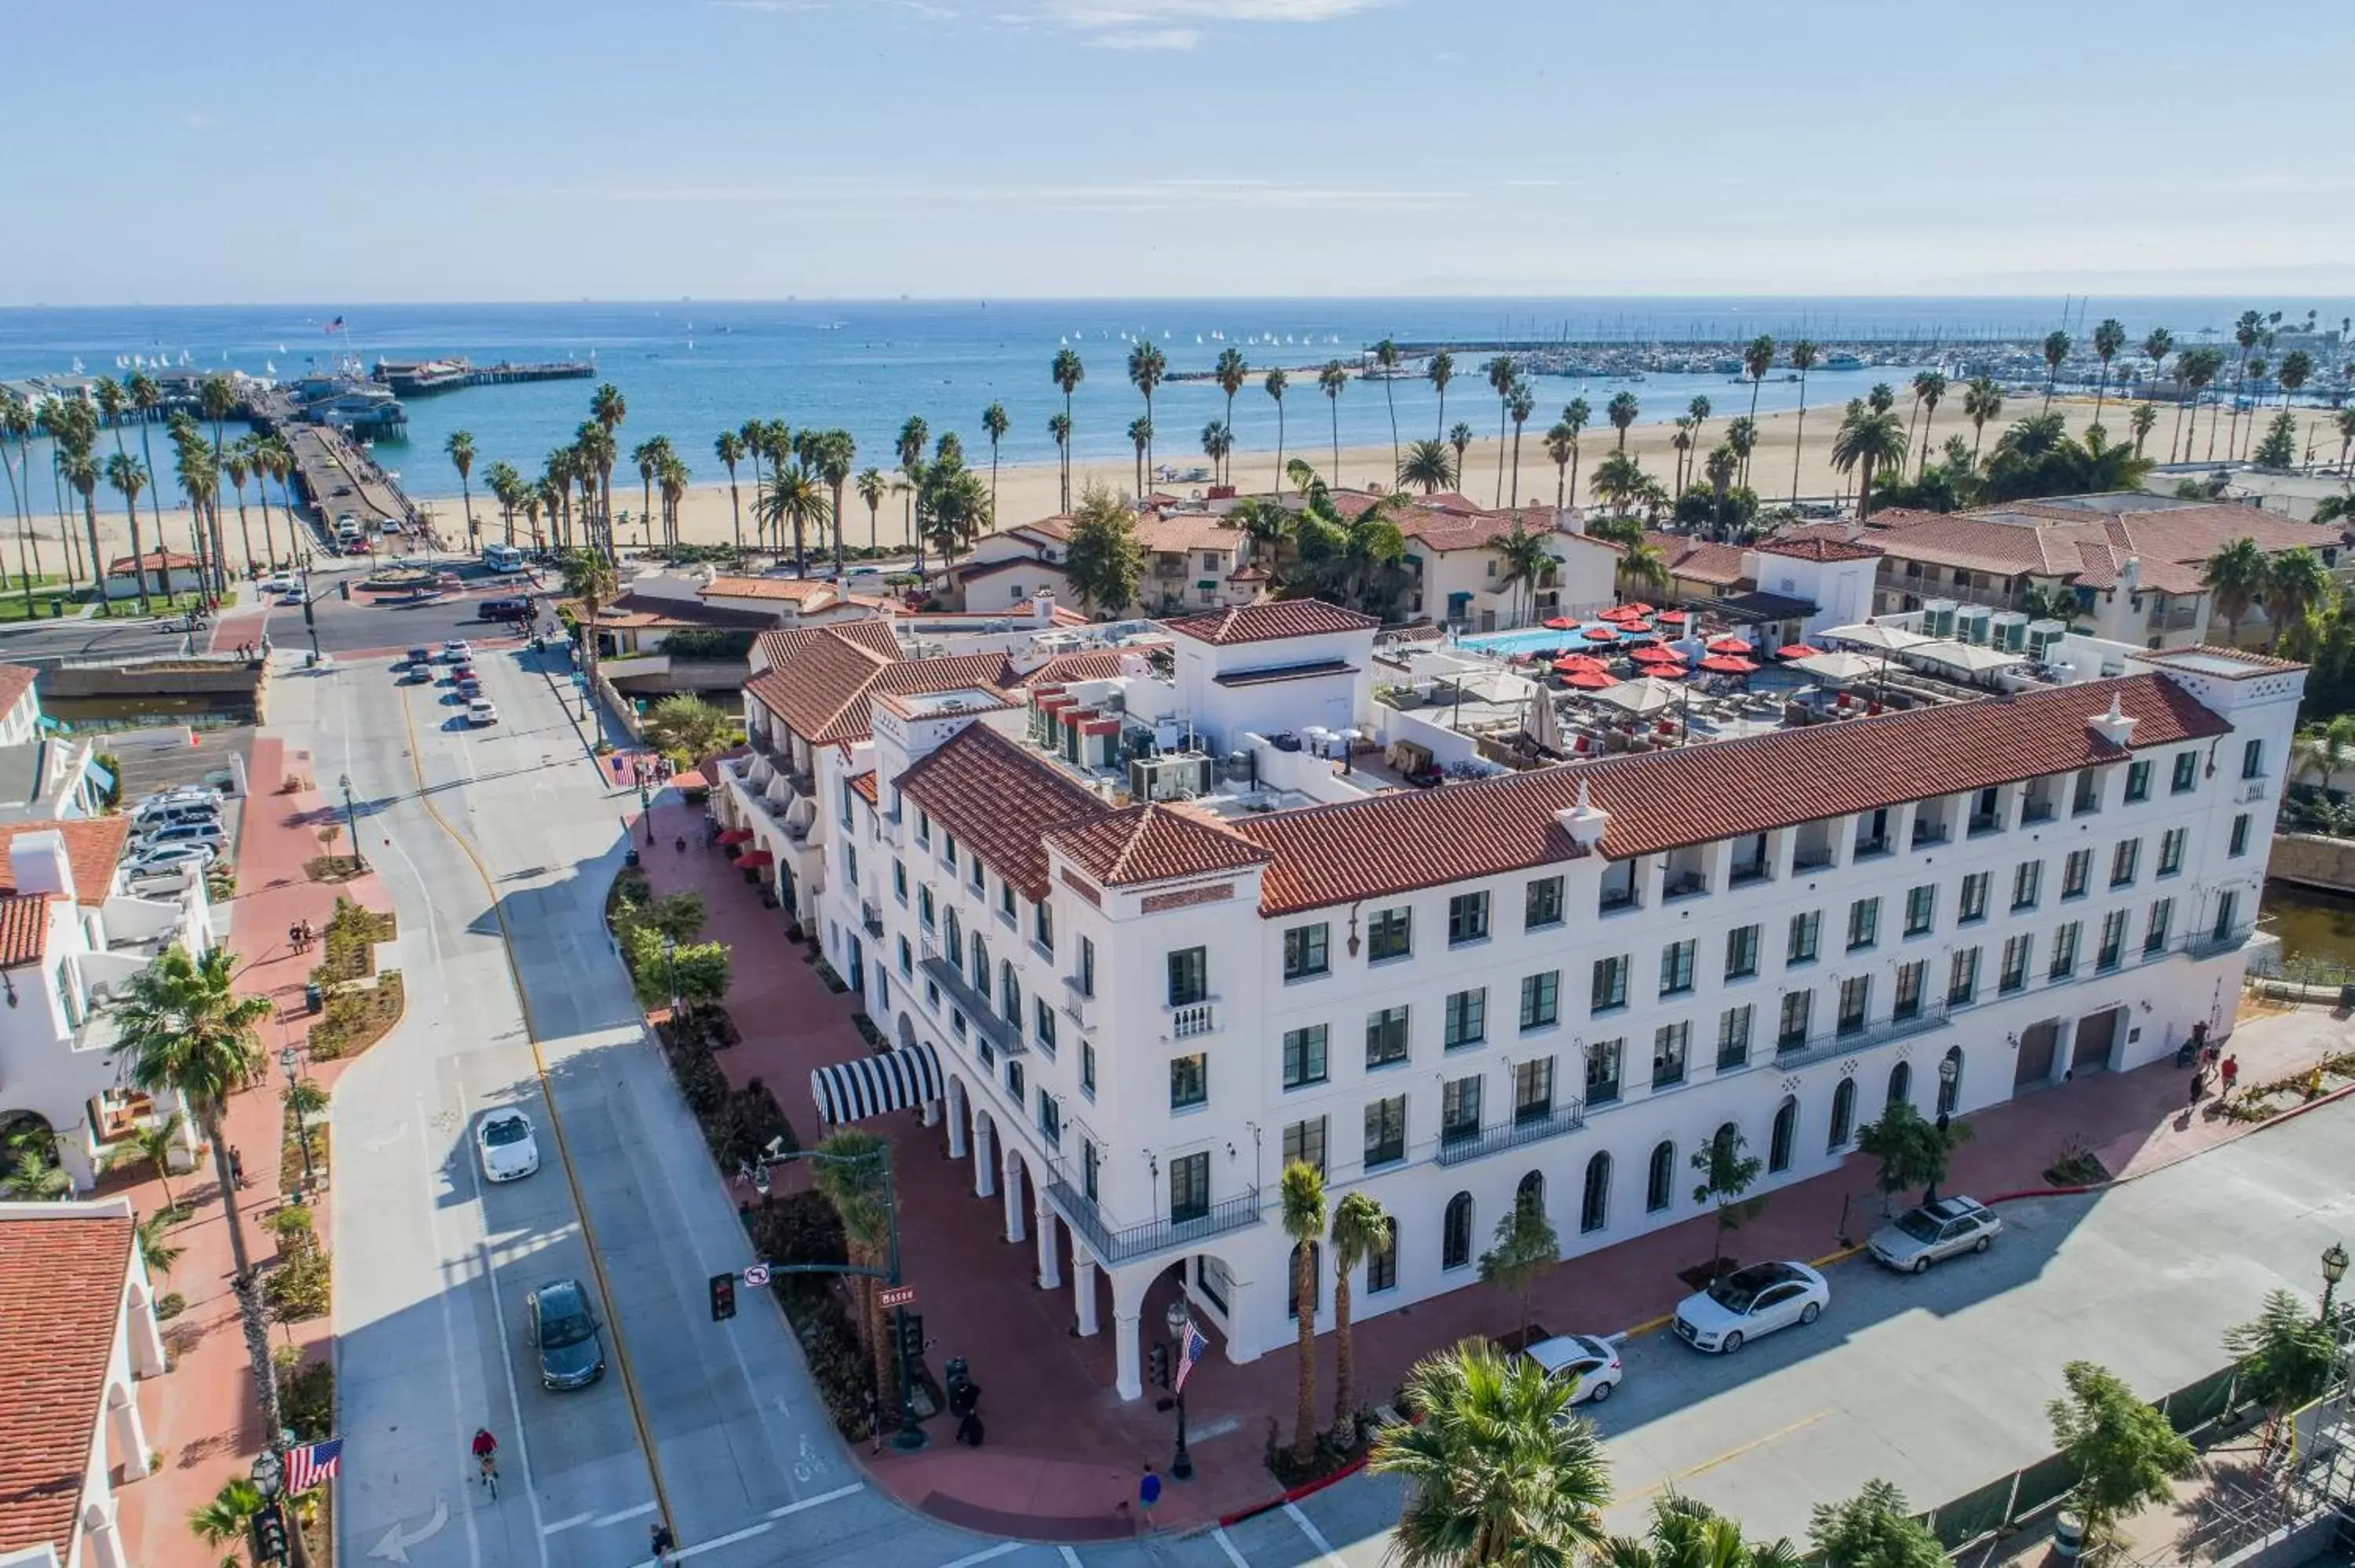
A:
(287, 1059)
(1181, 1323)
(670, 975)
(352, 820)
(269, 1479)
(646, 803)
(2334, 1269)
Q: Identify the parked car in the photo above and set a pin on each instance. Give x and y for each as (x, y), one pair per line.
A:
(166, 864)
(1594, 1362)
(418, 656)
(181, 814)
(506, 610)
(281, 583)
(562, 1326)
(181, 795)
(481, 711)
(456, 651)
(463, 671)
(1920, 1237)
(1750, 1302)
(208, 835)
(504, 1140)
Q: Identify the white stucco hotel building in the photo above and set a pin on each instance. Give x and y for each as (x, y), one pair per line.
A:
(1147, 946)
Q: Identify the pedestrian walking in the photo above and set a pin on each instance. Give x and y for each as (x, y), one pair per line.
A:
(661, 1542)
(1148, 1493)
(2231, 1075)
(295, 935)
(2199, 1086)
(237, 1168)
(875, 1422)
(682, 843)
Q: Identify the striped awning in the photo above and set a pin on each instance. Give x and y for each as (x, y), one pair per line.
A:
(899, 1079)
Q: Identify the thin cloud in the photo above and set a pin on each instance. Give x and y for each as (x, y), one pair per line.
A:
(849, 197)
(1147, 13)
(765, 5)
(1148, 39)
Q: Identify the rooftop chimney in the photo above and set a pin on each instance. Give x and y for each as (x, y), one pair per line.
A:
(1585, 820)
(1042, 609)
(2114, 727)
(2130, 575)
(1855, 529)
(37, 863)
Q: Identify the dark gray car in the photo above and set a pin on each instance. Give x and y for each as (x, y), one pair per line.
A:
(563, 1328)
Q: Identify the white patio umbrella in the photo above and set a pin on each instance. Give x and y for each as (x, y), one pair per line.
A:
(1971, 658)
(1872, 634)
(1642, 696)
(1840, 667)
(1544, 726)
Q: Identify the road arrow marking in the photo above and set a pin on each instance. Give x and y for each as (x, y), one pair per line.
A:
(394, 1547)
(389, 1137)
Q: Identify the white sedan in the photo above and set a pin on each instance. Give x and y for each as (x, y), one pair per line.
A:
(1594, 1362)
(1750, 1302)
(505, 1141)
(481, 711)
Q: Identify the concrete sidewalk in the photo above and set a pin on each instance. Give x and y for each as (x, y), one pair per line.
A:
(1064, 1453)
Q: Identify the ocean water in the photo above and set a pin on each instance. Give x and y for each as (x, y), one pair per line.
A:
(692, 368)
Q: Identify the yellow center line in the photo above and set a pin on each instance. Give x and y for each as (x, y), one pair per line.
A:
(1730, 1455)
(555, 1117)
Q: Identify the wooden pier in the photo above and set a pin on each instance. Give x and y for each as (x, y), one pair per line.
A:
(416, 378)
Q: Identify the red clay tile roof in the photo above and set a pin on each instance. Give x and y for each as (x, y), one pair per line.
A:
(16, 680)
(2088, 545)
(2258, 663)
(153, 561)
(1272, 622)
(865, 784)
(94, 849)
(1089, 664)
(1000, 801)
(62, 1280)
(796, 590)
(1155, 843)
(1445, 531)
(1662, 799)
(820, 691)
(873, 633)
(969, 573)
(1182, 530)
(24, 928)
(1819, 548)
(1698, 560)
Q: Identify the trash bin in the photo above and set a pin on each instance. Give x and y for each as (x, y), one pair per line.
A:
(2346, 996)
(315, 999)
(2069, 1536)
(631, 859)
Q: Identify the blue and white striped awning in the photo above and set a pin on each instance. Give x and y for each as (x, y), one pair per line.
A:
(896, 1080)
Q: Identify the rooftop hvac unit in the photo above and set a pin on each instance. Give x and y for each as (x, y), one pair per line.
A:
(1179, 778)
(1971, 623)
(2042, 637)
(1939, 617)
(2008, 631)
(1239, 768)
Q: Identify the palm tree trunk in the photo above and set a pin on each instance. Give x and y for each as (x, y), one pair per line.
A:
(245, 529)
(1304, 1275)
(1500, 452)
(1344, 1363)
(248, 1304)
(1336, 402)
(1516, 465)
(1279, 446)
(97, 570)
(2175, 436)
(1574, 473)
(138, 577)
(1389, 397)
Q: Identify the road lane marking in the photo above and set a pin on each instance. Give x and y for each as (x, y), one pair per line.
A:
(983, 1555)
(1315, 1536)
(793, 1508)
(565, 1523)
(1228, 1546)
(449, 1335)
(555, 1123)
(700, 1547)
(1070, 1558)
(1727, 1457)
(627, 1513)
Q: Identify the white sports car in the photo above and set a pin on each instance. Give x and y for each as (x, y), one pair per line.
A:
(504, 1140)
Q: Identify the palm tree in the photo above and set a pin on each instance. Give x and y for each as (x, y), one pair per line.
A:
(1520, 405)
(155, 1144)
(2344, 421)
(589, 577)
(1929, 388)
(993, 424)
(1442, 370)
(2199, 368)
(1685, 1533)
(2297, 366)
(1574, 417)
(1523, 560)
(2157, 344)
(154, 1236)
(2141, 422)
(1460, 439)
(794, 497)
(1867, 441)
(1501, 377)
(2329, 747)
(2109, 338)
(1147, 366)
(1305, 1215)
(957, 505)
(751, 436)
(1067, 375)
(2238, 575)
(1682, 443)
(1982, 401)
(728, 448)
(1386, 359)
(1331, 381)
(236, 465)
(1232, 373)
(128, 475)
(79, 471)
(146, 396)
(1216, 443)
(594, 454)
(834, 457)
(852, 1173)
(1361, 1229)
(1140, 436)
(1621, 412)
(1803, 359)
(1059, 427)
(1617, 481)
(1697, 412)
(2248, 332)
(872, 487)
(1757, 359)
(16, 421)
(1643, 570)
(1500, 1469)
(914, 435)
(649, 455)
(671, 480)
(2295, 581)
(1562, 445)
(2056, 350)
(1275, 383)
(2287, 1355)
(280, 459)
(230, 1514)
(608, 408)
(186, 1033)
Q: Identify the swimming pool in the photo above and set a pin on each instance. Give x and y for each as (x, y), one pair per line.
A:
(1532, 639)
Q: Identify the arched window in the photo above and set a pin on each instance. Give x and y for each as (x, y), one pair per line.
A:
(1843, 1114)
(952, 938)
(1292, 1283)
(1787, 1128)
(1901, 1085)
(1009, 994)
(1530, 1196)
(1950, 1083)
(1594, 1206)
(1455, 1235)
(1382, 1262)
(981, 966)
(1660, 1183)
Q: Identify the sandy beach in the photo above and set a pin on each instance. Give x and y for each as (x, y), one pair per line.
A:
(1029, 492)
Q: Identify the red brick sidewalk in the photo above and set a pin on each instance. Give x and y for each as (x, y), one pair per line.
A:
(1064, 1453)
(203, 1415)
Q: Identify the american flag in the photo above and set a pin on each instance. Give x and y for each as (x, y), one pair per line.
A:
(1196, 1348)
(336, 325)
(313, 1463)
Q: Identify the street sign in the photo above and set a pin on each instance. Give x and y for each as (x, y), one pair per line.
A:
(898, 1296)
(756, 1275)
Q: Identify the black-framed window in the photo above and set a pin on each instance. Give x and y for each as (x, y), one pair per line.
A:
(1386, 1036)
(2187, 772)
(2239, 842)
(2113, 941)
(1786, 1132)
(1386, 1131)
(1541, 904)
(1798, 1013)
(1912, 979)
(1863, 922)
(1734, 1027)
(1806, 937)
(1610, 989)
(1303, 1143)
(2064, 950)
(2017, 953)
(2026, 884)
(1901, 1085)
(1307, 951)
(1972, 903)
(1602, 1063)
(1677, 966)
(2137, 781)
(1459, 1109)
(1381, 1260)
(1189, 976)
(1467, 1018)
(1963, 978)
(1660, 1178)
(2076, 873)
(1189, 1081)
(1456, 1232)
(1389, 934)
(1305, 1056)
(1741, 952)
(1855, 1003)
(1671, 1044)
(1595, 1199)
(1541, 1000)
(1467, 919)
(1533, 1089)
(1921, 909)
(1190, 1187)
(2170, 850)
(1843, 1116)
(2124, 861)
(2162, 915)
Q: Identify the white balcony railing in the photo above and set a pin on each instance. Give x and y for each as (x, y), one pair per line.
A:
(1192, 1019)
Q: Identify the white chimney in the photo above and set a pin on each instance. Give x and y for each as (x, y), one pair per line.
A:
(2114, 727)
(38, 864)
(1855, 529)
(1585, 820)
(1042, 609)
(2130, 575)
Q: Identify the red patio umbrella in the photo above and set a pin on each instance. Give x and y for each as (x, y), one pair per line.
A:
(1637, 608)
(737, 836)
(1559, 624)
(1675, 615)
(1734, 645)
(1797, 650)
(1726, 665)
(1657, 655)
(754, 860)
(1576, 663)
(1589, 680)
(1601, 635)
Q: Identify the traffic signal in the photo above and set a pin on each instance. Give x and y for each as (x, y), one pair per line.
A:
(1160, 1365)
(270, 1535)
(723, 1296)
(912, 1337)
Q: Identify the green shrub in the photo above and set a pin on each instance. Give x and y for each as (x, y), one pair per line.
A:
(838, 1362)
(799, 1228)
(307, 1397)
(299, 1288)
(744, 1124)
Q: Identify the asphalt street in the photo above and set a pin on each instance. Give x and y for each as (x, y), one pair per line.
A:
(1937, 1382)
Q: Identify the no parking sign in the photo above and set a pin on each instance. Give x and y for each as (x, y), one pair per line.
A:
(756, 1275)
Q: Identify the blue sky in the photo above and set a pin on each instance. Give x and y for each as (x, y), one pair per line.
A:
(164, 152)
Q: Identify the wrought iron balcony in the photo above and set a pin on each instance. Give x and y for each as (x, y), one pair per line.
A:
(1007, 1037)
(1818, 1047)
(1568, 1116)
(1123, 1245)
